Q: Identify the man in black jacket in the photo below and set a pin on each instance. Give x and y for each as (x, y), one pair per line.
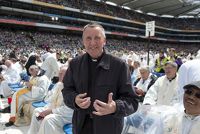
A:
(98, 87)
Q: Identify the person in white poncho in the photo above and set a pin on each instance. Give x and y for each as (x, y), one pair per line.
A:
(188, 72)
(50, 65)
(8, 76)
(187, 121)
(190, 121)
(164, 90)
(162, 119)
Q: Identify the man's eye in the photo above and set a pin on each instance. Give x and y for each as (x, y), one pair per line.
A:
(88, 38)
(97, 38)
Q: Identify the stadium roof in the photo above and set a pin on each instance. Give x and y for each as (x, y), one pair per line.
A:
(174, 8)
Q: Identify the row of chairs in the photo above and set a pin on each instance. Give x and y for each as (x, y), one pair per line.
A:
(158, 74)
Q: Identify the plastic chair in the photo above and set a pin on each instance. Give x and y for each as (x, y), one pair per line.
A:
(67, 128)
(24, 76)
(39, 104)
(51, 86)
(158, 74)
(16, 86)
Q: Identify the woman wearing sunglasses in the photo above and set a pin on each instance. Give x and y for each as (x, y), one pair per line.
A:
(189, 122)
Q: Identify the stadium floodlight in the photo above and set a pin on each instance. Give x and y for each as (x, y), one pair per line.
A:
(54, 18)
(125, 7)
(139, 11)
(185, 16)
(167, 16)
(152, 14)
(111, 3)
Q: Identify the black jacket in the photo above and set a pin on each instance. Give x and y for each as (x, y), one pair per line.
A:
(112, 76)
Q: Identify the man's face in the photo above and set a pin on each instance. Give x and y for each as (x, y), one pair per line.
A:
(33, 72)
(94, 41)
(129, 61)
(136, 65)
(191, 101)
(8, 64)
(161, 54)
(171, 53)
(144, 74)
(170, 71)
(58, 55)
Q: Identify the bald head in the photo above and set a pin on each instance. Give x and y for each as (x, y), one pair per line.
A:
(8, 63)
(33, 70)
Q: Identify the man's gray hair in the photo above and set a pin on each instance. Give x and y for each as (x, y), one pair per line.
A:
(93, 25)
(146, 68)
(173, 64)
(35, 67)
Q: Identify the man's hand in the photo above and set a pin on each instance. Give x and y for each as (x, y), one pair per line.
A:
(29, 85)
(103, 108)
(139, 92)
(45, 113)
(82, 101)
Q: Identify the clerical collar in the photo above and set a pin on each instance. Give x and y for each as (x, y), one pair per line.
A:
(94, 60)
(97, 59)
(171, 78)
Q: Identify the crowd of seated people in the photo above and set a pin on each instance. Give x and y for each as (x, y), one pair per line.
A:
(22, 45)
(171, 103)
(93, 6)
(35, 90)
(27, 42)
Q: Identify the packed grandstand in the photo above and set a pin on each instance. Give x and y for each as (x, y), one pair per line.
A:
(38, 27)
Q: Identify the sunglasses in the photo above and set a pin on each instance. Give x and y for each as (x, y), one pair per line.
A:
(191, 92)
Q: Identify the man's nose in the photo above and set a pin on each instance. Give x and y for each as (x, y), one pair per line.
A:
(191, 96)
(93, 42)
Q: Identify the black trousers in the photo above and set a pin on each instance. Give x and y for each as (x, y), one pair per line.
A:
(87, 126)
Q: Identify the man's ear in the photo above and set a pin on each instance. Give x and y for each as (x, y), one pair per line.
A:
(104, 42)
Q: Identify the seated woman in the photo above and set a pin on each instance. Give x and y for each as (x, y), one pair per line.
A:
(189, 120)
(151, 119)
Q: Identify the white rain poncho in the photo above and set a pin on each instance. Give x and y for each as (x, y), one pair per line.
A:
(152, 120)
